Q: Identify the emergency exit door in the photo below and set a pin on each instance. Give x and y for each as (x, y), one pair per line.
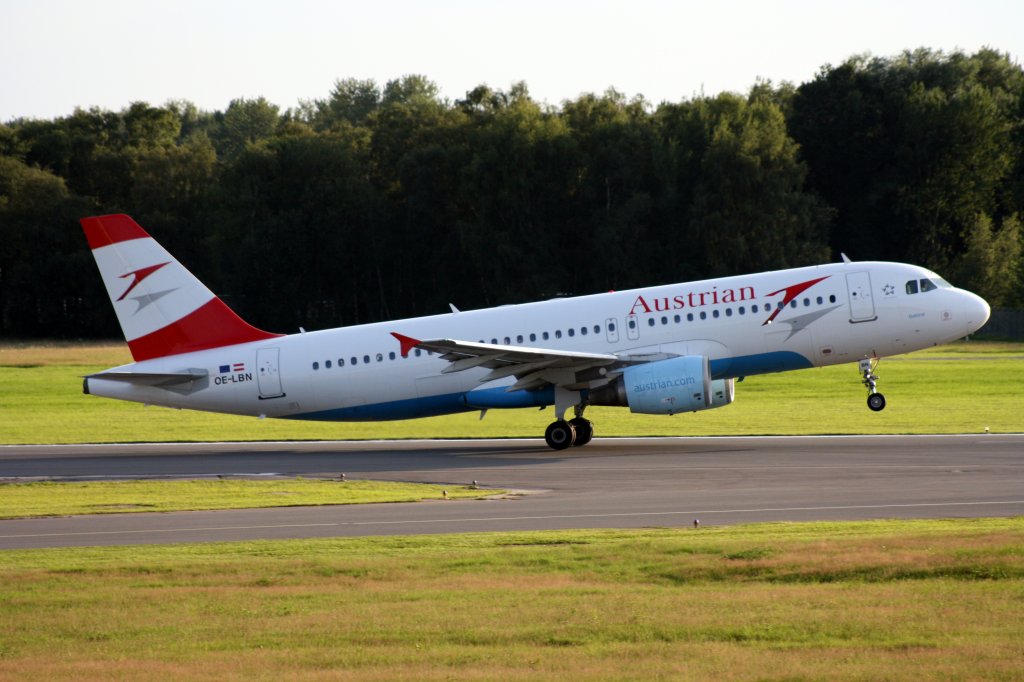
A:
(268, 375)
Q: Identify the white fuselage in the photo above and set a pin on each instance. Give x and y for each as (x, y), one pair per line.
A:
(856, 311)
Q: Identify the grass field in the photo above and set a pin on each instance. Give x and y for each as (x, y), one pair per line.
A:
(46, 498)
(964, 387)
(906, 600)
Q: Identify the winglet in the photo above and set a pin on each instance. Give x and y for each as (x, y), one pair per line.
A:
(408, 343)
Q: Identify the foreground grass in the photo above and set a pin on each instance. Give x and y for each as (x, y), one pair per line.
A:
(905, 600)
(19, 500)
(958, 388)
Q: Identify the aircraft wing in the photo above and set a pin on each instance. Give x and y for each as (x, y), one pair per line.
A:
(532, 367)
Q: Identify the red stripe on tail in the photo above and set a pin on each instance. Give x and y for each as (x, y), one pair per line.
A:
(110, 229)
(211, 326)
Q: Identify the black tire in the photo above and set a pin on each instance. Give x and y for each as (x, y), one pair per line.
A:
(584, 431)
(876, 402)
(560, 435)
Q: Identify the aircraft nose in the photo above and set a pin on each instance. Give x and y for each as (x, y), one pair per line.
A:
(977, 311)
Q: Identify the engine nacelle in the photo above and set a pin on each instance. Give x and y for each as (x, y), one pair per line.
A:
(670, 386)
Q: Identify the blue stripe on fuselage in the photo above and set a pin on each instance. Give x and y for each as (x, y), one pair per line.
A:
(760, 363)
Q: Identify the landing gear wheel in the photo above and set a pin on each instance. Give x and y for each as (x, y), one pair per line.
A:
(584, 430)
(876, 401)
(560, 435)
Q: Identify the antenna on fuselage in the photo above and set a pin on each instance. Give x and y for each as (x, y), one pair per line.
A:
(846, 259)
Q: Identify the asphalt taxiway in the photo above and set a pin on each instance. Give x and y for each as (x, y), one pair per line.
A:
(611, 483)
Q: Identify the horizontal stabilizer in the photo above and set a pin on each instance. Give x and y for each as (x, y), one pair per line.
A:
(154, 379)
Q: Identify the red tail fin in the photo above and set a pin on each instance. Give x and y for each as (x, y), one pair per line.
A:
(163, 308)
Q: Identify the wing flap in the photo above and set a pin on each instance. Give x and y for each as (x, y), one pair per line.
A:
(532, 367)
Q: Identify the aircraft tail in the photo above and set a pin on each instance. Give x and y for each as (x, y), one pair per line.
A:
(163, 308)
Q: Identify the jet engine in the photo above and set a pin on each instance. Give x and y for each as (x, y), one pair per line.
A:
(681, 384)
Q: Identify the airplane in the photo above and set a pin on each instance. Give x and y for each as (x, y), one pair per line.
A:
(657, 350)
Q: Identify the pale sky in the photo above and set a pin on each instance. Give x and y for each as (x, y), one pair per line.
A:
(56, 55)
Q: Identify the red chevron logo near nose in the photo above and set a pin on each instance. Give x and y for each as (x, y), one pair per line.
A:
(139, 275)
(791, 292)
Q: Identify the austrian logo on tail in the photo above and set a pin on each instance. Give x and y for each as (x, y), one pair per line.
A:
(139, 275)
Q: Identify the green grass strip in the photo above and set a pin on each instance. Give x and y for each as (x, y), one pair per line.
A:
(901, 600)
(18, 500)
(960, 388)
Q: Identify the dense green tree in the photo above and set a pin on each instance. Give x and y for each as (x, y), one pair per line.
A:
(991, 262)
(351, 100)
(910, 150)
(48, 287)
(245, 122)
(383, 202)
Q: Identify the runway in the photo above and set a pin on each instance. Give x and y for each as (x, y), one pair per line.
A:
(611, 483)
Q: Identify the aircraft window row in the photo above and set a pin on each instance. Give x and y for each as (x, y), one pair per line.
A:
(916, 286)
(741, 310)
(596, 329)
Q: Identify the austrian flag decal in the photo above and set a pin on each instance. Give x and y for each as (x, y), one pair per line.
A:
(236, 367)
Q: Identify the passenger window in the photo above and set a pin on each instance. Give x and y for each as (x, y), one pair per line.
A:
(327, 364)
(632, 324)
(714, 313)
(820, 300)
(380, 357)
(519, 339)
(832, 298)
(792, 304)
(742, 310)
(558, 333)
(597, 329)
(807, 302)
(753, 308)
(927, 285)
(572, 332)
(508, 341)
(341, 362)
(689, 317)
(418, 353)
(546, 336)
(728, 312)
(583, 331)
(611, 326)
(677, 319)
(391, 355)
(533, 337)
(664, 319)
(316, 365)
(366, 359)
(650, 322)
(353, 360)
(703, 315)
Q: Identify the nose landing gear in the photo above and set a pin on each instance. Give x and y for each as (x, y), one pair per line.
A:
(876, 401)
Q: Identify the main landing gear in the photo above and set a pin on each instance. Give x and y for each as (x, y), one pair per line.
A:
(576, 432)
(876, 401)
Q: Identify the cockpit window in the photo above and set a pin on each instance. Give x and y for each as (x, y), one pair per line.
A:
(927, 285)
(942, 283)
(912, 286)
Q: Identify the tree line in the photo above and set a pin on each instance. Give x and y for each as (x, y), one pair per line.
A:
(381, 202)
